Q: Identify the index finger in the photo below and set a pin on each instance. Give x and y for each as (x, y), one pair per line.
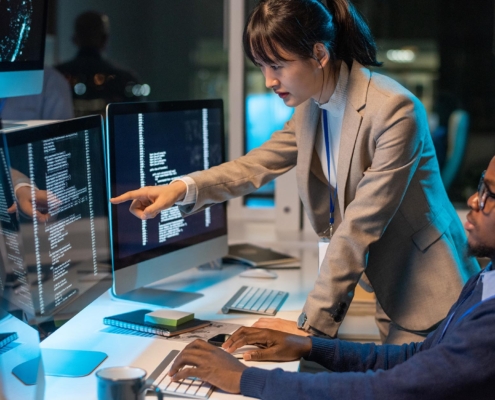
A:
(244, 336)
(127, 196)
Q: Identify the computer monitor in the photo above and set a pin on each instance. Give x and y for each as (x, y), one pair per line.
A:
(19, 342)
(22, 46)
(56, 233)
(152, 143)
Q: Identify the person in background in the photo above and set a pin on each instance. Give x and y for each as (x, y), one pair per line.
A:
(54, 102)
(454, 362)
(95, 80)
(366, 172)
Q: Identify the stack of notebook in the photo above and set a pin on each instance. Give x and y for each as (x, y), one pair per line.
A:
(136, 321)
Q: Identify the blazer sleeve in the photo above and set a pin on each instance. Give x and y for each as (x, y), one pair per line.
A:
(247, 173)
(401, 126)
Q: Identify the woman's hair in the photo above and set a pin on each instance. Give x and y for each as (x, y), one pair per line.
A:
(295, 26)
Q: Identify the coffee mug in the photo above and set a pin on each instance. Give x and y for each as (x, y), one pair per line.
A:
(123, 383)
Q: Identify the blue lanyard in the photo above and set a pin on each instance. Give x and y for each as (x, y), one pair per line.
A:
(333, 196)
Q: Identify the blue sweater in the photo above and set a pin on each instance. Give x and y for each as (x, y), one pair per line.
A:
(456, 361)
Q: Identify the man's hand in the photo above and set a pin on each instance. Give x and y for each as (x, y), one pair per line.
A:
(281, 325)
(274, 345)
(24, 201)
(148, 201)
(209, 363)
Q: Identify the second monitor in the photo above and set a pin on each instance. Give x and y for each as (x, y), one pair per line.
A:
(150, 144)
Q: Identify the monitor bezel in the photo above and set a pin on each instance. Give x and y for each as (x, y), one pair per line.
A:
(115, 109)
(51, 130)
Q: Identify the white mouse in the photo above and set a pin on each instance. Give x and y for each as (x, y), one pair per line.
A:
(258, 273)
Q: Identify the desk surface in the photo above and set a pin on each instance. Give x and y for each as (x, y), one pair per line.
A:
(86, 330)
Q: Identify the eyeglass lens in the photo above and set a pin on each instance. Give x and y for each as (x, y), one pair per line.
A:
(482, 192)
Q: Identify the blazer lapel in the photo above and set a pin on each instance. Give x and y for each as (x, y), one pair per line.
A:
(307, 126)
(359, 79)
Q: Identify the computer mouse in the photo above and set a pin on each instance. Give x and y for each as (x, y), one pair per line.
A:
(258, 273)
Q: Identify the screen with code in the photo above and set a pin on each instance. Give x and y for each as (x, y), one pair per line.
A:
(151, 148)
(56, 231)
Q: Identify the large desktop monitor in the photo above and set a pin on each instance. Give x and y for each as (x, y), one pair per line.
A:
(54, 225)
(22, 46)
(151, 144)
(19, 342)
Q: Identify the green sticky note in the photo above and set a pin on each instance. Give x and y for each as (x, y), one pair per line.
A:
(168, 317)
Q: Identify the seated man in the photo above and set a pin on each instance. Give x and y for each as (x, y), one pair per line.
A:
(456, 361)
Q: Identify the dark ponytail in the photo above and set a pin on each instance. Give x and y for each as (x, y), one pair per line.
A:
(295, 26)
(353, 36)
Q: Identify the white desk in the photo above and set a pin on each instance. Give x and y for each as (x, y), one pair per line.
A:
(87, 332)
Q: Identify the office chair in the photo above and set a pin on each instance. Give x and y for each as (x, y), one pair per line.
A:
(457, 138)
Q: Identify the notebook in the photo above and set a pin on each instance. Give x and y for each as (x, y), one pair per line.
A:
(256, 256)
(134, 320)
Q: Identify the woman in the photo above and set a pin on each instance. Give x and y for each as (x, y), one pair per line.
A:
(366, 172)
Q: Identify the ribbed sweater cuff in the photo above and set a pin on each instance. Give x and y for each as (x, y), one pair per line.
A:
(322, 351)
(253, 381)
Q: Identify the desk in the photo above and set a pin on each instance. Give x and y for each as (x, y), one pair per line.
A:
(86, 330)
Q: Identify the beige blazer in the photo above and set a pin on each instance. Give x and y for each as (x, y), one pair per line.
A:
(397, 223)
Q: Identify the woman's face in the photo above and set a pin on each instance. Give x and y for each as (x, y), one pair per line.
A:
(295, 81)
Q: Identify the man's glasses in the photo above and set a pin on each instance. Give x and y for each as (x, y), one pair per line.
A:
(483, 192)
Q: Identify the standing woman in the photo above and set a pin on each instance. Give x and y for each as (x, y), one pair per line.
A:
(366, 173)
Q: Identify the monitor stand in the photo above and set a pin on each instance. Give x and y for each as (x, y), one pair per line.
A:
(56, 362)
(163, 298)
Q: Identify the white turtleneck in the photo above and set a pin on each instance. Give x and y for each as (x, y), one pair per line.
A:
(335, 108)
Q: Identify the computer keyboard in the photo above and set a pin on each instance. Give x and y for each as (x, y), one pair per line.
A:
(256, 300)
(192, 388)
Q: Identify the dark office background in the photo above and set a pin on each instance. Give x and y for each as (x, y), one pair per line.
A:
(178, 48)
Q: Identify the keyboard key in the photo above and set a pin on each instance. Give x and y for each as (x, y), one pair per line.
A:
(275, 303)
(260, 300)
(164, 382)
(257, 293)
(190, 387)
(184, 386)
(194, 387)
(268, 301)
(248, 295)
(205, 390)
(172, 386)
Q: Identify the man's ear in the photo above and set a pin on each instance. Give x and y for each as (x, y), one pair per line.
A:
(321, 54)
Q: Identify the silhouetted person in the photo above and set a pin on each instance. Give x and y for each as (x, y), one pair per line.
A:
(96, 81)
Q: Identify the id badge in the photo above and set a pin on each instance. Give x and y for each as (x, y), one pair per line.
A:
(322, 250)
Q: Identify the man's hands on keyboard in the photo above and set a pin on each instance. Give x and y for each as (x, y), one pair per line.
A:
(273, 345)
(208, 363)
(216, 366)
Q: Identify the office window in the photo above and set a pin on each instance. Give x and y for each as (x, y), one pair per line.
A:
(265, 113)
(177, 47)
